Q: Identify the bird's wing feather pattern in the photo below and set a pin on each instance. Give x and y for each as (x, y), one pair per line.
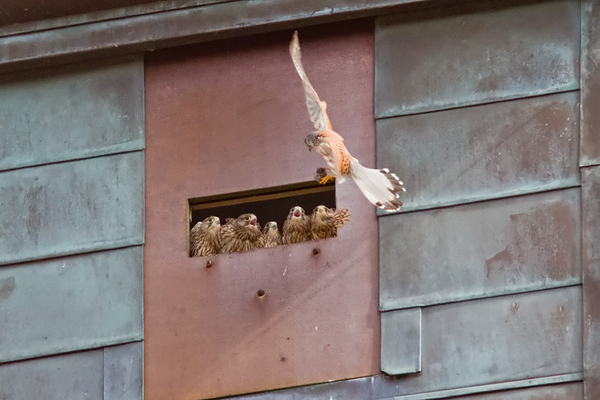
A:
(316, 107)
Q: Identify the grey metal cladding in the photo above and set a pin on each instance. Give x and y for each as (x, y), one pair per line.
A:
(68, 376)
(591, 280)
(590, 82)
(401, 341)
(352, 389)
(457, 60)
(498, 339)
(67, 113)
(478, 250)
(123, 371)
(72, 207)
(565, 391)
(70, 303)
(483, 152)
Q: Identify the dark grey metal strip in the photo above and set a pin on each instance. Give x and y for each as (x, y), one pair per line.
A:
(494, 387)
(178, 27)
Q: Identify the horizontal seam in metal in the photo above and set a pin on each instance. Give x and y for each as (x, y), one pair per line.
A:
(481, 298)
(73, 159)
(106, 18)
(466, 202)
(589, 166)
(78, 254)
(100, 345)
(492, 387)
(483, 103)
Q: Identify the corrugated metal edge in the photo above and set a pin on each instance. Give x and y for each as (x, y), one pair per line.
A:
(494, 387)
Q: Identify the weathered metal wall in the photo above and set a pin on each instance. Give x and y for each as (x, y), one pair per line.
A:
(497, 281)
(72, 191)
(231, 116)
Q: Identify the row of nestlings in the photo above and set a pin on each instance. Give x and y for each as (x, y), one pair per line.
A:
(208, 237)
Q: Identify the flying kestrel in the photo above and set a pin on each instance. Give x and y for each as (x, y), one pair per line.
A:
(379, 186)
(271, 234)
(204, 237)
(296, 228)
(241, 234)
(324, 222)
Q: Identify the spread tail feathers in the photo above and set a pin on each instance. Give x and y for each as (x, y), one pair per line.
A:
(379, 186)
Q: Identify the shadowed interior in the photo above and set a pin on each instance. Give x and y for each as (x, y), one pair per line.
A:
(269, 204)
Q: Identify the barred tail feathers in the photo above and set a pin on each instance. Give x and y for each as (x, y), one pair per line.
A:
(379, 186)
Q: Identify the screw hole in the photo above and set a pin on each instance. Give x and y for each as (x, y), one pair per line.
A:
(209, 264)
(316, 252)
(261, 293)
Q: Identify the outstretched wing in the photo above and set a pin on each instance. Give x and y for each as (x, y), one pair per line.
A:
(316, 107)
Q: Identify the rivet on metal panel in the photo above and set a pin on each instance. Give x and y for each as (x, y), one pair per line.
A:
(261, 294)
(316, 251)
(209, 264)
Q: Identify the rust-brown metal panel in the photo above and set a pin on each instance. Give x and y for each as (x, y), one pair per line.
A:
(231, 116)
(68, 376)
(483, 152)
(480, 250)
(72, 207)
(567, 391)
(123, 372)
(498, 339)
(70, 303)
(443, 61)
(591, 280)
(58, 114)
(590, 82)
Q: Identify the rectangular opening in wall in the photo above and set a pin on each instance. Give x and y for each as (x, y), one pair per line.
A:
(268, 204)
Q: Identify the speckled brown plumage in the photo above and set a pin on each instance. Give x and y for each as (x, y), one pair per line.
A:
(204, 237)
(324, 222)
(241, 234)
(271, 234)
(296, 228)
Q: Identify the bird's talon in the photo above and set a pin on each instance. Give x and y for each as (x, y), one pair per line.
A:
(326, 179)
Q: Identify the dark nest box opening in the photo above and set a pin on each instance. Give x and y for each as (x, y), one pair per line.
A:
(268, 204)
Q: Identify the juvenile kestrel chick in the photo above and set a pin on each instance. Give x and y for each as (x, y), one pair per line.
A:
(324, 222)
(204, 237)
(241, 234)
(296, 228)
(379, 186)
(271, 234)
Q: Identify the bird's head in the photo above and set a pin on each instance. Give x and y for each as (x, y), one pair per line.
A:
(312, 140)
(320, 211)
(270, 228)
(296, 213)
(211, 222)
(248, 220)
